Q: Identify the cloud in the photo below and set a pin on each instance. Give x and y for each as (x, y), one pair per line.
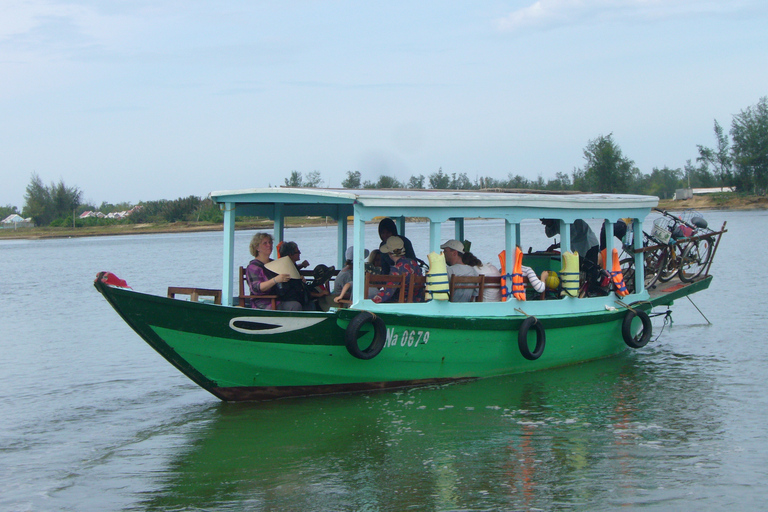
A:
(25, 16)
(50, 25)
(552, 13)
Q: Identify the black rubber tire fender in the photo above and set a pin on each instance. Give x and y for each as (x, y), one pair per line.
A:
(644, 336)
(353, 333)
(522, 338)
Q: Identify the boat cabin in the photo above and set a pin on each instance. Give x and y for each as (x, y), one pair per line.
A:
(435, 207)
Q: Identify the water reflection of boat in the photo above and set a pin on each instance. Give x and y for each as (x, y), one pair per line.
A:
(546, 440)
(250, 354)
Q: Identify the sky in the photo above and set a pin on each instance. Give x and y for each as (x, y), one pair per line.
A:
(159, 99)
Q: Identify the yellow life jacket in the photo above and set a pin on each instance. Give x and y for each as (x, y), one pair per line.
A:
(518, 288)
(569, 275)
(437, 277)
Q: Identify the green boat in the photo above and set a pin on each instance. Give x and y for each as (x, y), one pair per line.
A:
(246, 354)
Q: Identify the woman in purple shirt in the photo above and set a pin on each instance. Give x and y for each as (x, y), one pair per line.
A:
(261, 280)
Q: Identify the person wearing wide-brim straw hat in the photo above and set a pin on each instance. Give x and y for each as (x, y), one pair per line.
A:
(283, 265)
(292, 293)
(260, 279)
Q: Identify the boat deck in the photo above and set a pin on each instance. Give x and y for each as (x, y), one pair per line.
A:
(664, 294)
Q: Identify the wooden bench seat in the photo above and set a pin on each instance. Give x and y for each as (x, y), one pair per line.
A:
(387, 281)
(194, 293)
(243, 285)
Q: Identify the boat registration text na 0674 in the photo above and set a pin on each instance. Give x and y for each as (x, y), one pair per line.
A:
(408, 338)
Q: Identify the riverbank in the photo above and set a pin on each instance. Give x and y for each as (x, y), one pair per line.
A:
(723, 201)
(36, 233)
(706, 202)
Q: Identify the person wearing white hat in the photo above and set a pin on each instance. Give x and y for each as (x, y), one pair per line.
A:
(454, 252)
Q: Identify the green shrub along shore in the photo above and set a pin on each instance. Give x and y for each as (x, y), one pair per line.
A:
(723, 201)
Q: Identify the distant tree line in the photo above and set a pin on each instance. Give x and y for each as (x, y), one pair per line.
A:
(60, 205)
(740, 161)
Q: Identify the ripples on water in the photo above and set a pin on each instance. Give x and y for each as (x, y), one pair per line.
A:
(93, 419)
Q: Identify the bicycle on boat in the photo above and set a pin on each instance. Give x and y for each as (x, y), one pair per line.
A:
(692, 250)
(679, 246)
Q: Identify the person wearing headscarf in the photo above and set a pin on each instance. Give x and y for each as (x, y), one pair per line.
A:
(387, 228)
(402, 264)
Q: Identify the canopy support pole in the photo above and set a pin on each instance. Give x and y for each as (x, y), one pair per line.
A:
(229, 254)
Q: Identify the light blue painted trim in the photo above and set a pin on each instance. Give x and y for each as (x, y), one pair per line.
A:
(402, 200)
(358, 271)
(511, 232)
(446, 213)
(458, 229)
(637, 242)
(566, 306)
(434, 237)
(565, 237)
(341, 238)
(228, 254)
(279, 231)
(608, 226)
(400, 223)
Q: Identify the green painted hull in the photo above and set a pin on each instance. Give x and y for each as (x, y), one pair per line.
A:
(244, 354)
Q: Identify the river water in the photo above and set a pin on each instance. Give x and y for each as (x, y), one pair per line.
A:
(91, 418)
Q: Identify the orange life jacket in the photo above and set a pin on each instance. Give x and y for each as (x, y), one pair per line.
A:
(503, 261)
(616, 276)
(518, 287)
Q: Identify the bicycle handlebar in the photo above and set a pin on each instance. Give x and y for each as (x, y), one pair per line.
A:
(678, 219)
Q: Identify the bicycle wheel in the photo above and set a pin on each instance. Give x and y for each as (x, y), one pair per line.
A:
(694, 259)
(654, 262)
(706, 246)
(672, 264)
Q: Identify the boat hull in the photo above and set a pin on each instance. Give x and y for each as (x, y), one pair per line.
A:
(241, 354)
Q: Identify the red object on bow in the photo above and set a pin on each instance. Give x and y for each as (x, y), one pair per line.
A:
(112, 280)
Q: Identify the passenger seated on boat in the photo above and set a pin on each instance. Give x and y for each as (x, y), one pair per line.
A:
(402, 265)
(262, 281)
(454, 252)
(291, 249)
(538, 285)
(490, 294)
(387, 228)
(343, 282)
(373, 265)
(294, 294)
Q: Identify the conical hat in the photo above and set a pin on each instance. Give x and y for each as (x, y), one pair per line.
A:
(284, 265)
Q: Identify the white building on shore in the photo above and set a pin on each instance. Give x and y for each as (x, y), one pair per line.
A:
(15, 221)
